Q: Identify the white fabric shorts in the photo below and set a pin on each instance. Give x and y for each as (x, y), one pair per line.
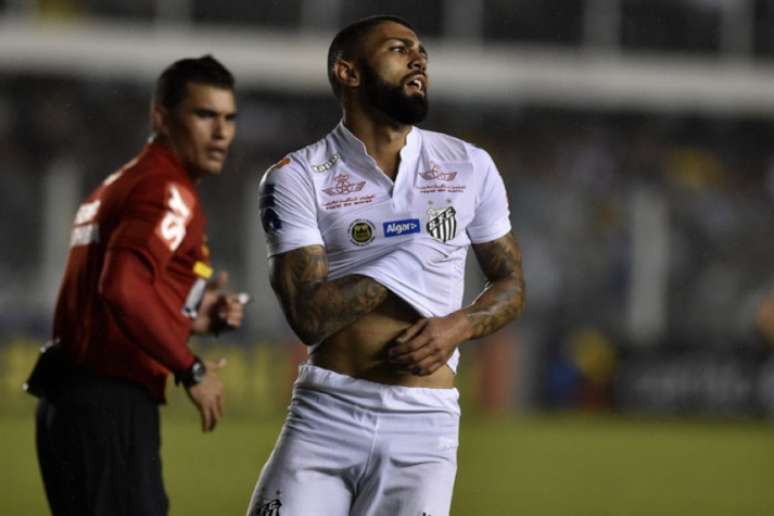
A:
(359, 448)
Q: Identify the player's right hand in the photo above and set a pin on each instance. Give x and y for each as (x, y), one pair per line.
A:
(207, 395)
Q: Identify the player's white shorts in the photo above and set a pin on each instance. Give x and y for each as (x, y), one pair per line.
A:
(354, 447)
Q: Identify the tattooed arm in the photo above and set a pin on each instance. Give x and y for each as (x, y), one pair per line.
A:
(315, 307)
(503, 297)
(428, 344)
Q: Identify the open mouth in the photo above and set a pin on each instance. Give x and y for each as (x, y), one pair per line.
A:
(416, 85)
(218, 154)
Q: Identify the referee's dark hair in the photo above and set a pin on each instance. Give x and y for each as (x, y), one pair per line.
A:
(345, 43)
(171, 86)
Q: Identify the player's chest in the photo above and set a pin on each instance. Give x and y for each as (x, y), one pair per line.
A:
(364, 209)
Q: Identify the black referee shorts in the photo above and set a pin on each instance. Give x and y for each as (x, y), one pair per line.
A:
(98, 448)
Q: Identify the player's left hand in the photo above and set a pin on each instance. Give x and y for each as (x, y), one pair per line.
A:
(220, 311)
(426, 345)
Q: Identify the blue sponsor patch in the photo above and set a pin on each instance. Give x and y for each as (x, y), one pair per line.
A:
(401, 227)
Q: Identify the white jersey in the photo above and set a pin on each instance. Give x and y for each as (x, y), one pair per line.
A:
(411, 235)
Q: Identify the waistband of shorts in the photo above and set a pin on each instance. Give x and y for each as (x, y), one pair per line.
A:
(377, 396)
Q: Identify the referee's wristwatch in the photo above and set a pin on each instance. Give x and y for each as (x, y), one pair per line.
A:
(193, 375)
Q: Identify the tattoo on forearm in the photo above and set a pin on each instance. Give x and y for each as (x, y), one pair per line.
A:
(503, 298)
(315, 307)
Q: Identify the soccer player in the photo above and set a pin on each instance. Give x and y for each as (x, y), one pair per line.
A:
(368, 231)
(137, 283)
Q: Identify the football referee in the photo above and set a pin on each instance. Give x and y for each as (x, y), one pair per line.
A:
(136, 285)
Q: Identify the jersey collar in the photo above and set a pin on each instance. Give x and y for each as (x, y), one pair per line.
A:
(353, 150)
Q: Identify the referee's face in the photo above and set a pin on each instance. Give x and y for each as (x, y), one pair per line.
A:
(200, 130)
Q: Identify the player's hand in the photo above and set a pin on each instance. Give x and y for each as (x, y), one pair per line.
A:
(220, 311)
(207, 395)
(427, 345)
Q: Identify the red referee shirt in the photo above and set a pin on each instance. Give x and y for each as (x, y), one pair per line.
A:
(150, 207)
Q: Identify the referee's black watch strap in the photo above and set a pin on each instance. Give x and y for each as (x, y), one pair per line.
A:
(193, 375)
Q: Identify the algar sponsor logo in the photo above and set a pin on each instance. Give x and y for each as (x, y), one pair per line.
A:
(401, 227)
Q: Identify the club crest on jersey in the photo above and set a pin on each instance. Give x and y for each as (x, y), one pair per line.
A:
(401, 227)
(344, 186)
(442, 223)
(361, 232)
(324, 167)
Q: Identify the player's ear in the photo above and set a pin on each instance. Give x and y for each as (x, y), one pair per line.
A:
(347, 73)
(160, 119)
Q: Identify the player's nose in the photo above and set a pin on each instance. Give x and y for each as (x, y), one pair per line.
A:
(419, 62)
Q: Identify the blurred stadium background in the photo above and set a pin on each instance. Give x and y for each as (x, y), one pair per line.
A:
(635, 139)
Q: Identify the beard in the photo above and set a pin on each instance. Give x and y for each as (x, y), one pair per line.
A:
(392, 100)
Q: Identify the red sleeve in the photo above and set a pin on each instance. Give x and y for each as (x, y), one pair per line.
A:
(155, 220)
(126, 285)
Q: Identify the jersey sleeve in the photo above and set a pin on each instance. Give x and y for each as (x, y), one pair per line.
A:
(492, 216)
(155, 220)
(126, 286)
(288, 208)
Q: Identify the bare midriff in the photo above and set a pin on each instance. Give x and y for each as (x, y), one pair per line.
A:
(360, 349)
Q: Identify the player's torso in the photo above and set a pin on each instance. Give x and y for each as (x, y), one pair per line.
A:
(362, 215)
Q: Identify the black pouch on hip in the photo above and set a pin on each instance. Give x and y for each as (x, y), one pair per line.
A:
(49, 370)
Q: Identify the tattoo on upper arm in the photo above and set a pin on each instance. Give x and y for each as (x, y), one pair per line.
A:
(293, 273)
(499, 258)
(503, 298)
(300, 267)
(316, 307)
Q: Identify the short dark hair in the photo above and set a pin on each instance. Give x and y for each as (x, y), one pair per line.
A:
(171, 86)
(345, 43)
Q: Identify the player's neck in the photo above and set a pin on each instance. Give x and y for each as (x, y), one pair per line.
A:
(194, 175)
(383, 139)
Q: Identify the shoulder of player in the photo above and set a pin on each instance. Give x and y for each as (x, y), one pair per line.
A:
(163, 188)
(446, 147)
(305, 163)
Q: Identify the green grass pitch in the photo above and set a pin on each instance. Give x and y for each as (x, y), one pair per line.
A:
(532, 466)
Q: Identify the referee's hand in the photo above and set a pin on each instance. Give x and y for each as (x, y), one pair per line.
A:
(220, 310)
(208, 396)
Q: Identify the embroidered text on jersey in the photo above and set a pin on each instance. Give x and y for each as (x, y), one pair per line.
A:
(324, 167)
